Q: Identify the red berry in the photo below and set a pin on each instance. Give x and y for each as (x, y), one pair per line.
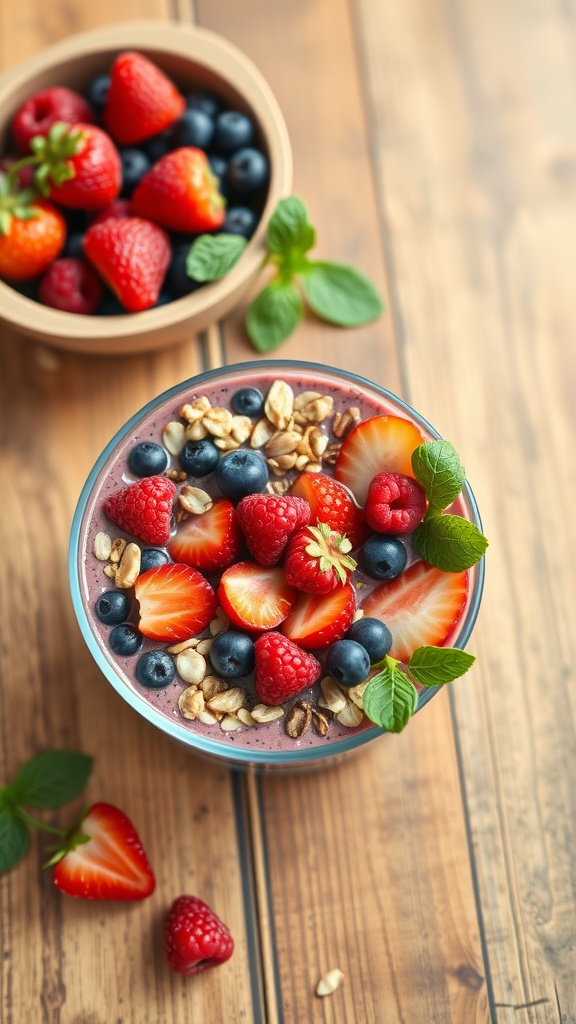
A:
(318, 620)
(379, 444)
(141, 100)
(181, 193)
(70, 285)
(118, 209)
(175, 602)
(132, 255)
(268, 521)
(209, 541)
(195, 938)
(30, 245)
(282, 669)
(255, 597)
(332, 503)
(96, 171)
(37, 115)
(144, 509)
(317, 560)
(395, 503)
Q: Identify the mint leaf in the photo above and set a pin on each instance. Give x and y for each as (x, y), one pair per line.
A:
(340, 294)
(450, 542)
(212, 256)
(51, 778)
(13, 840)
(289, 232)
(273, 315)
(437, 467)
(390, 698)
(434, 666)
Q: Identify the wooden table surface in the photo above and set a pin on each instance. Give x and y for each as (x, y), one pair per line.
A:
(435, 145)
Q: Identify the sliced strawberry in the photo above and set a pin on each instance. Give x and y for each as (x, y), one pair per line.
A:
(176, 602)
(255, 596)
(331, 503)
(208, 541)
(420, 607)
(105, 859)
(318, 620)
(382, 443)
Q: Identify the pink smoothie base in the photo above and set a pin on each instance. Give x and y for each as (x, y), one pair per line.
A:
(89, 581)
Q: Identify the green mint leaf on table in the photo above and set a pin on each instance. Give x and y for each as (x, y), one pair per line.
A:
(340, 294)
(212, 256)
(51, 778)
(437, 467)
(435, 666)
(390, 698)
(289, 232)
(450, 543)
(273, 315)
(13, 840)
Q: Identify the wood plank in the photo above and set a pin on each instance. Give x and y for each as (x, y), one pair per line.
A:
(475, 113)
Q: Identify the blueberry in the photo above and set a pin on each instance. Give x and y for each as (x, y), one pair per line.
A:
(240, 220)
(248, 170)
(199, 458)
(382, 557)
(163, 299)
(135, 164)
(110, 306)
(240, 473)
(155, 669)
(112, 607)
(152, 557)
(148, 459)
(248, 402)
(219, 168)
(233, 130)
(204, 101)
(193, 128)
(97, 93)
(125, 639)
(157, 147)
(232, 654)
(373, 635)
(76, 221)
(177, 281)
(73, 247)
(347, 662)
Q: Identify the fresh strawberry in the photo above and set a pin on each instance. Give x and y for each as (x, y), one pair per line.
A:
(118, 209)
(332, 503)
(421, 607)
(318, 620)
(317, 559)
(195, 939)
(132, 255)
(77, 166)
(144, 509)
(395, 503)
(282, 669)
(377, 445)
(70, 285)
(208, 541)
(32, 234)
(176, 602)
(38, 113)
(141, 100)
(255, 597)
(181, 193)
(104, 859)
(268, 521)
(24, 175)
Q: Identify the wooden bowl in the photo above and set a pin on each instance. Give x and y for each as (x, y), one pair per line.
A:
(194, 58)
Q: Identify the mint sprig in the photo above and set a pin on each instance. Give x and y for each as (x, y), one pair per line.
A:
(335, 292)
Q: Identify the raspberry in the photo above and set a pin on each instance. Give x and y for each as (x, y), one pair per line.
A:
(395, 503)
(144, 509)
(71, 285)
(37, 115)
(268, 521)
(282, 668)
(194, 937)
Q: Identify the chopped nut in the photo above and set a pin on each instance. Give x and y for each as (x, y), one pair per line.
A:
(313, 467)
(204, 646)
(191, 702)
(245, 717)
(173, 437)
(356, 693)
(262, 433)
(178, 475)
(191, 666)
(184, 645)
(194, 500)
(219, 623)
(229, 701)
(331, 454)
(273, 465)
(304, 398)
(280, 486)
(118, 548)
(279, 404)
(202, 402)
(181, 515)
(286, 462)
(195, 431)
(358, 614)
(129, 567)
(332, 696)
(212, 685)
(350, 716)
(320, 722)
(315, 411)
(207, 718)
(298, 720)
(102, 547)
(218, 421)
(241, 428)
(230, 723)
(301, 462)
(283, 442)
(330, 982)
(111, 569)
(263, 713)
(226, 444)
(318, 442)
(344, 421)
(191, 414)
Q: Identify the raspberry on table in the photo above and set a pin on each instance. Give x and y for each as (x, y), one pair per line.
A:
(195, 938)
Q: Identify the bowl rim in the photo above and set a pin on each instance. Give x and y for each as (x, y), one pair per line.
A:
(228, 62)
(227, 754)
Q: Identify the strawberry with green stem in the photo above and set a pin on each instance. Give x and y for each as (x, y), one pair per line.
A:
(32, 231)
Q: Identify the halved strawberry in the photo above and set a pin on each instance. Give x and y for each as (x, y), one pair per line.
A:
(104, 859)
(318, 620)
(382, 443)
(420, 607)
(176, 602)
(208, 541)
(255, 596)
(332, 503)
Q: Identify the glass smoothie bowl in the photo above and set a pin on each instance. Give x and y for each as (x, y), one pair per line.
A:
(187, 590)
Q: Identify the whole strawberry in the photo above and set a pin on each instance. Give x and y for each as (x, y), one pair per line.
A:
(141, 100)
(132, 255)
(77, 166)
(32, 233)
(332, 503)
(144, 509)
(282, 669)
(39, 112)
(195, 938)
(268, 521)
(180, 192)
(317, 560)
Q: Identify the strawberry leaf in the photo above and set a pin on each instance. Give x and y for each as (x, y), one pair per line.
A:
(51, 778)
(390, 698)
(450, 543)
(435, 666)
(14, 840)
